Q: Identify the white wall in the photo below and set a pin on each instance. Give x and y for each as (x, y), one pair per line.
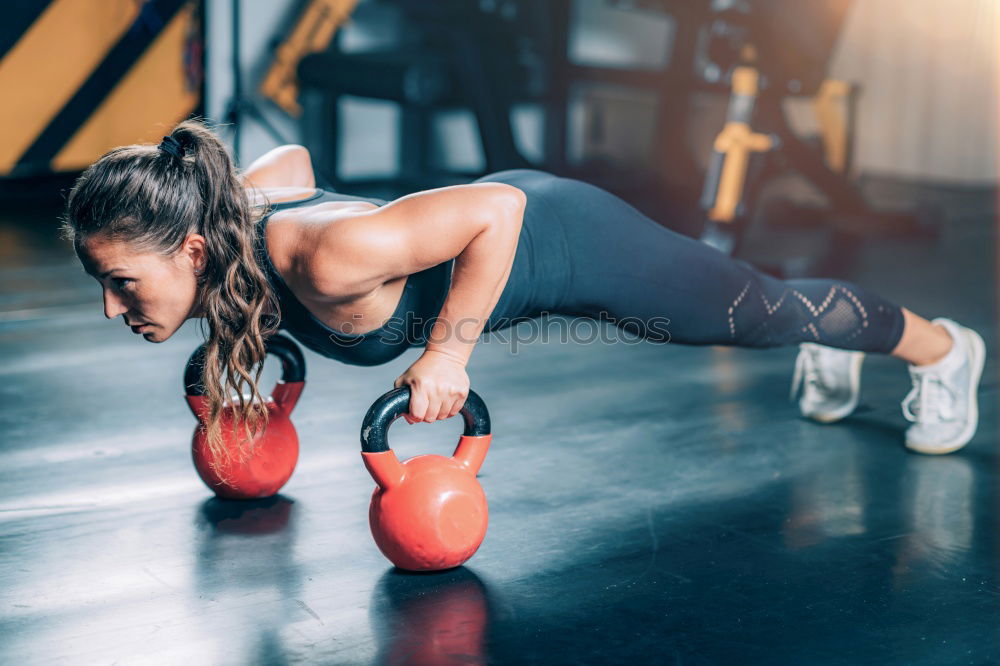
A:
(929, 71)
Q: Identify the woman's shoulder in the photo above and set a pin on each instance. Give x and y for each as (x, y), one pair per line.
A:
(300, 242)
(292, 231)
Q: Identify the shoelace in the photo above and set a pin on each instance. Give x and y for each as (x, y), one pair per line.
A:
(930, 400)
(807, 369)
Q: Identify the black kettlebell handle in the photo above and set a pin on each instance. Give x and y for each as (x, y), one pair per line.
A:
(395, 403)
(293, 364)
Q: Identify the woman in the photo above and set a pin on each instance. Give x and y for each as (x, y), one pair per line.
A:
(173, 232)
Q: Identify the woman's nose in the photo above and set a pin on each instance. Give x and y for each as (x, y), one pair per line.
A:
(113, 305)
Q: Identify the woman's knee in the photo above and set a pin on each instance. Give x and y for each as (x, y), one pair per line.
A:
(764, 312)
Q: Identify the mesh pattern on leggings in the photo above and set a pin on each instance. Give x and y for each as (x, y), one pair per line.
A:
(768, 312)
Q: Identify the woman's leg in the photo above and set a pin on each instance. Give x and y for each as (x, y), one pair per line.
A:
(633, 270)
(587, 252)
(626, 265)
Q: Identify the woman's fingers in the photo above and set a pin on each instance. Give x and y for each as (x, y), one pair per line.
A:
(438, 388)
(445, 410)
(419, 402)
(429, 405)
(440, 407)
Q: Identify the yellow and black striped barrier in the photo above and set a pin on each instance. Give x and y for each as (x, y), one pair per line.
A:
(79, 77)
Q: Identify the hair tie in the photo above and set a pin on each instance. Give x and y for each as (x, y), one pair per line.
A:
(172, 147)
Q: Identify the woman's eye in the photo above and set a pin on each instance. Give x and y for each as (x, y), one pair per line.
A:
(121, 283)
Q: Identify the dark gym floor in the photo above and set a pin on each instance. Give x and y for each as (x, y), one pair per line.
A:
(649, 503)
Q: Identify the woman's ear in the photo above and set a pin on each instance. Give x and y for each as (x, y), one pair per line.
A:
(194, 249)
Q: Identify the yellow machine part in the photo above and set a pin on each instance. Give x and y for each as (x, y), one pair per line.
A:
(312, 33)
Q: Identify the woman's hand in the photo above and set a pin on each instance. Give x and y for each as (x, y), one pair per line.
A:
(438, 385)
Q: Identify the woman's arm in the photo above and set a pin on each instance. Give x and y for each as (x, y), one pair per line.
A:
(361, 252)
(284, 166)
(479, 226)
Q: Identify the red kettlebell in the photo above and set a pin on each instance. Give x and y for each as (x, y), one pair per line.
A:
(276, 448)
(428, 513)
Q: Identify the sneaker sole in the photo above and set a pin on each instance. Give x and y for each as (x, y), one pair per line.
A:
(978, 362)
(848, 407)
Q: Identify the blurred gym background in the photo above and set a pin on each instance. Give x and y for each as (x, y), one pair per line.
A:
(819, 137)
(789, 133)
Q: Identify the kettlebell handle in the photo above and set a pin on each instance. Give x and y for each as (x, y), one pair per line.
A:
(395, 403)
(293, 364)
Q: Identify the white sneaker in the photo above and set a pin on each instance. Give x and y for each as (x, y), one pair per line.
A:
(830, 379)
(943, 402)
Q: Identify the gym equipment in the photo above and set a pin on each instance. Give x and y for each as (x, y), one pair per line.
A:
(314, 29)
(470, 56)
(768, 51)
(276, 448)
(428, 513)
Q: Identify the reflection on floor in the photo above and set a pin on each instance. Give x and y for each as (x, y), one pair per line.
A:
(649, 504)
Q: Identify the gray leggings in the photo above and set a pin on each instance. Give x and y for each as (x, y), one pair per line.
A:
(585, 252)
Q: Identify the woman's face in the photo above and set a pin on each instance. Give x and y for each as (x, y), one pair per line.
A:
(154, 293)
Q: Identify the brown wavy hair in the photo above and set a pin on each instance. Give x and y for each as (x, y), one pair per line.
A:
(152, 200)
